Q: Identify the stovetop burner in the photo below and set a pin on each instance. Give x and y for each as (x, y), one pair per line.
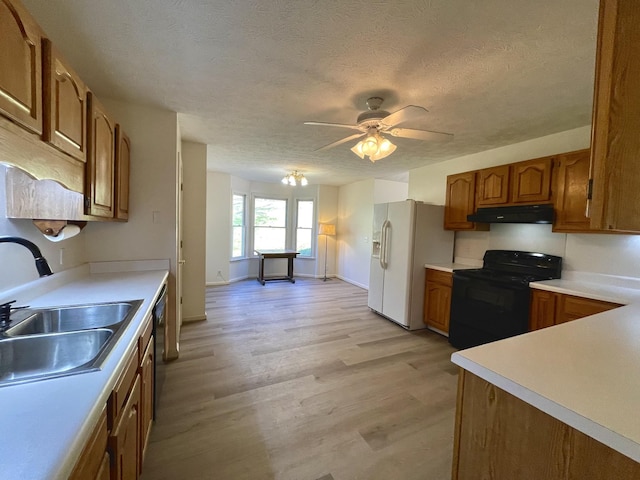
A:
(501, 276)
(516, 267)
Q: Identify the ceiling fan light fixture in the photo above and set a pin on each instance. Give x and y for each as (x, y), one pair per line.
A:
(385, 150)
(357, 149)
(370, 145)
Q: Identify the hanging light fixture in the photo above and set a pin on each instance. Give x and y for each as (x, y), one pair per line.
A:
(294, 178)
(374, 146)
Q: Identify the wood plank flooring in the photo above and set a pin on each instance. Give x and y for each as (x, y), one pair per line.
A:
(303, 382)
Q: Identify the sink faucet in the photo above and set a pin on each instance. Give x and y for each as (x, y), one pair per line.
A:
(41, 263)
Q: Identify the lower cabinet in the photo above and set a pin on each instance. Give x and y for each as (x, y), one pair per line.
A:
(550, 308)
(124, 441)
(116, 447)
(91, 463)
(499, 436)
(437, 300)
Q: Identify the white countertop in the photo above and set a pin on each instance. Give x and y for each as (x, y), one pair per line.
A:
(607, 288)
(451, 266)
(45, 424)
(585, 373)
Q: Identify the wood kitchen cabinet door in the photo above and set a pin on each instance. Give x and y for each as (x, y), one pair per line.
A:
(124, 441)
(123, 162)
(572, 308)
(615, 143)
(101, 161)
(437, 300)
(571, 179)
(493, 186)
(543, 309)
(460, 202)
(20, 66)
(65, 105)
(531, 181)
(91, 460)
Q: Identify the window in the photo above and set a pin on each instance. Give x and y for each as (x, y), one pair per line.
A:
(238, 226)
(304, 228)
(270, 224)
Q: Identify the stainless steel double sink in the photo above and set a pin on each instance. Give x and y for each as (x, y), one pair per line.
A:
(52, 342)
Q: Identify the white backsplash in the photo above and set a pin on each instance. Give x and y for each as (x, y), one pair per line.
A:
(596, 253)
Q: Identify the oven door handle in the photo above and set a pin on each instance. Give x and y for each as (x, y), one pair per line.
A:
(383, 247)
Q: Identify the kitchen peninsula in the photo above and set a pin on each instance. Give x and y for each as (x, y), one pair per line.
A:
(557, 403)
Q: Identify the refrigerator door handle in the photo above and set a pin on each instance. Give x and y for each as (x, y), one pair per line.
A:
(383, 247)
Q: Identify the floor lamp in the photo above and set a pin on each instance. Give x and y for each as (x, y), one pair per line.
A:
(326, 229)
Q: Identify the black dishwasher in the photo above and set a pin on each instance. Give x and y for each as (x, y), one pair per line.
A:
(159, 326)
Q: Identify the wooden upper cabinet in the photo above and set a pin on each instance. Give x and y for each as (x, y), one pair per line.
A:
(123, 159)
(460, 202)
(65, 105)
(101, 161)
(571, 184)
(531, 181)
(615, 143)
(493, 186)
(20, 66)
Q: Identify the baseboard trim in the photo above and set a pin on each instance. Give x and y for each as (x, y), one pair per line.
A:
(353, 282)
(196, 318)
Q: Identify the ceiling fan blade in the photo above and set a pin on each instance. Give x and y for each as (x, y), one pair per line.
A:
(419, 134)
(410, 112)
(340, 142)
(341, 125)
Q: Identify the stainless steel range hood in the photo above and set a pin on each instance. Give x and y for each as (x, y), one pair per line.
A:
(514, 214)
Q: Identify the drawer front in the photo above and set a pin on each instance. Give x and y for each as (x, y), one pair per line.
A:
(437, 276)
(121, 390)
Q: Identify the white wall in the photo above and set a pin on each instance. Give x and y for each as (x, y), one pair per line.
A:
(385, 191)
(220, 187)
(327, 212)
(218, 224)
(18, 266)
(153, 181)
(599, 253)
(355, 218)
(194, 161)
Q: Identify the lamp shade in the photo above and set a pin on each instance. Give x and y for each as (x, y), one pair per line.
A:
(327, 229)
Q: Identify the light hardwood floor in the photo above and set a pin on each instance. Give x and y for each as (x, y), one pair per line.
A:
(302, 381)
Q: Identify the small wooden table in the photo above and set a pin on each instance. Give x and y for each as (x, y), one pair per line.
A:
(288, 254)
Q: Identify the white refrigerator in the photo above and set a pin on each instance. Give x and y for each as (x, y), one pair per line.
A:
(406, 236)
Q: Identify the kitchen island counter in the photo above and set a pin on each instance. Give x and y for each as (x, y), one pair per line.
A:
(585, 373)
(45, 424)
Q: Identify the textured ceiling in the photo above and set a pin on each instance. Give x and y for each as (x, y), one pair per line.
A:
(244, 75)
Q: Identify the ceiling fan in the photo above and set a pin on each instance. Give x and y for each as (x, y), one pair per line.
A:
(374, 123)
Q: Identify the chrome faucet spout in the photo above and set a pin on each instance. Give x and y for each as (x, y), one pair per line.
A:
(41, 263)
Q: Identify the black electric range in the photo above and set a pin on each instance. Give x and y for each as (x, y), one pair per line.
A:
(492, 302)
